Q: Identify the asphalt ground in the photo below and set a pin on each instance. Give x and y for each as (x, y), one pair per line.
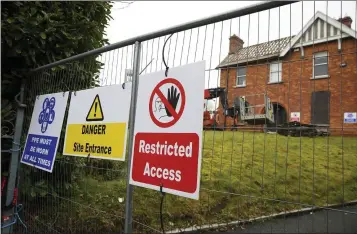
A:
(323, 221)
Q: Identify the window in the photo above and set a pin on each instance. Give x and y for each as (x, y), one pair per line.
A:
(275, 72)
(128, 75)
(320, 67)
(241, 76)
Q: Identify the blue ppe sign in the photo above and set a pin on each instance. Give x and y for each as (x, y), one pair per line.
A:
(46, 124)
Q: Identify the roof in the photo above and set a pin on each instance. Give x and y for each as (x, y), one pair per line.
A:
(258, 51)
(320, 16)
(325, 28)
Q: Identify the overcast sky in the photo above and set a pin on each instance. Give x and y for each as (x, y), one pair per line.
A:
(208, 43)
(146, 16)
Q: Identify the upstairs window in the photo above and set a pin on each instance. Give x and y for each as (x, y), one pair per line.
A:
(241, 76)
(128, 75)
(275, 72)
(320, 65)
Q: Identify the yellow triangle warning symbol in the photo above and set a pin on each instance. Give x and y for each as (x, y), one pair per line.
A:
(95, 112)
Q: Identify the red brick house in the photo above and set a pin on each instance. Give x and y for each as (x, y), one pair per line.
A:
(312, 74)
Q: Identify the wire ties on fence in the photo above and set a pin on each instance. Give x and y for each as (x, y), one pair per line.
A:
(147, 65)
(15, 143)
(19, 103)
(18, 145)
(163, 56)
(161, 205)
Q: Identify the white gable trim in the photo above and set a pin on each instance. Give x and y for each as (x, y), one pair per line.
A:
(317, 41)
(323, 17)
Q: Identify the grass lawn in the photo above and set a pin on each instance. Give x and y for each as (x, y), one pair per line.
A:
(244, 175)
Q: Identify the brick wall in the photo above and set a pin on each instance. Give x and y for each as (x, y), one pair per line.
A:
(294, 92)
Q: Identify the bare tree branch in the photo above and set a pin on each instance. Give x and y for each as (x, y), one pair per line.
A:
(126, 6)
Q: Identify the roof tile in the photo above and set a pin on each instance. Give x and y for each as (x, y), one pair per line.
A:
(255, 52)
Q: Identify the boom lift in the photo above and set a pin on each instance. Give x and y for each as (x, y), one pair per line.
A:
(255, 109)
(208, 121)
(241, 109)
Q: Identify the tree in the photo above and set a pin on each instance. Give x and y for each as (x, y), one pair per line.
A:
(39, 33)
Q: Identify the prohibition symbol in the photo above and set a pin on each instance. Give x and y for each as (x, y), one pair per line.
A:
(168, 104)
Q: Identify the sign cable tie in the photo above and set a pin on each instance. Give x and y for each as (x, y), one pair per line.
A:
(163, 56)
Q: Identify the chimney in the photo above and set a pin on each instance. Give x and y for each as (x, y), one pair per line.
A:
(235, 44)
(346, 21)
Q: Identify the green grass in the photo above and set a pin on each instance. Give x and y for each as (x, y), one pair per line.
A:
(244, 175)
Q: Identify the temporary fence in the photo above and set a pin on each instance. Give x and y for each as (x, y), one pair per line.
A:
(253, 178)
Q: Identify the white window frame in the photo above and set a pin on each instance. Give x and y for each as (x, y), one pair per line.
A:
(128, 75)
(317, 55)
(245, 77)
(280, 71)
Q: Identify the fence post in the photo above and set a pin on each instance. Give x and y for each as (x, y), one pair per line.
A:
(15, 152)
(134, 91)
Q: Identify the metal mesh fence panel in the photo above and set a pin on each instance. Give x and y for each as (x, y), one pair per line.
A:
(255, 169)
(70, 199)
(278, 153)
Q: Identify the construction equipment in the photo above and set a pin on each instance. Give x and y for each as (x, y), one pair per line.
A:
(231, 112)
(255, 109)
(208, 121)
(258, 110)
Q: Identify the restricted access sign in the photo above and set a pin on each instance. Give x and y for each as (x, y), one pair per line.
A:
(97, 123)
(168, 131)
(44, 132)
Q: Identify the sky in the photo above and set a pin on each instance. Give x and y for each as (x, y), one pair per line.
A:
(209, 43)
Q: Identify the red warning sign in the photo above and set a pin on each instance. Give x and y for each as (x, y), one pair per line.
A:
(168, 159)
(167, 147)
(175, 99)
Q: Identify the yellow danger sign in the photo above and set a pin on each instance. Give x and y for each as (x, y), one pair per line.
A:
(96, 140)
(89, 133)
(95, 112)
